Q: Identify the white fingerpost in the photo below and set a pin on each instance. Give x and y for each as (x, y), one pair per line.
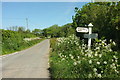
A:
(89, 39)
(90, 36)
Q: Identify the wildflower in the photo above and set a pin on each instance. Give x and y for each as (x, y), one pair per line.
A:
(112, 60)
(116, 71)
(89, 75)
(99, 75)
(94, 69)
(89, 55)
(96, 54)
(75, 63)
(72, 57)
(100, 55)
(97, 48)
(86, 50)
(115, 57)
(85, 54)
(98, 62)
(110, 50)
(103, 41)
(110, 40)
(101, 71)
(105, 62)
(114, 43)
(90, 61)
(105, 44)
(63, 59)
(96, 73)
(113, 66)
(116, 61)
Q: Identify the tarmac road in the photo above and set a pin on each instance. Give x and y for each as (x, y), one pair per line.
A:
(29, 63)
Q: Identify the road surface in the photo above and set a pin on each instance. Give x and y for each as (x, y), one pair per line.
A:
(29, 63)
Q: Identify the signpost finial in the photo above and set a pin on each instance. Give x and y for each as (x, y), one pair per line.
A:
(90, 25)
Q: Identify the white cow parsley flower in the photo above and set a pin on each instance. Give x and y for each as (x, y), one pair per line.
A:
(105, 62)
(90, 61)
(98, 62)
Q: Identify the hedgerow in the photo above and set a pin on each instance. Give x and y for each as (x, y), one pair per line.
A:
(14, 41)
(70, 58)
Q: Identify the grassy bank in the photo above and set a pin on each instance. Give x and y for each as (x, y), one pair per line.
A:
(13, 41)
(23, 46)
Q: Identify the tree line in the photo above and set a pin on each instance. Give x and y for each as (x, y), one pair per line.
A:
(50, 32)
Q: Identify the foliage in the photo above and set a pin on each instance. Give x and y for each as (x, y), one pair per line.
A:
(52, 42)
(28, 31)
(21, 29)
(66, 30)
(37, 32)
(59, 31)
(13, 41)
(105, 16)
(70, 58)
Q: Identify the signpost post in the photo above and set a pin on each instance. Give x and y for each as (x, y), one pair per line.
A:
(89, 39)
(89, 36)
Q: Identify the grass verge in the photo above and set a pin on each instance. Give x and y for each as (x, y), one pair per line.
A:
(24, 45)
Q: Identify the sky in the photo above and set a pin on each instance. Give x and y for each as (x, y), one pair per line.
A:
(40, 14)
(46, 0)
(59, 0)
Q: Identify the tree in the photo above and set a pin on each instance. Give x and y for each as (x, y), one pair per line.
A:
(27, 31)
(52, 31)
(44, 32)
(105, 16)
(13, 28)
(59, 31)
(67, 30)
(21, 29)
(37, 32)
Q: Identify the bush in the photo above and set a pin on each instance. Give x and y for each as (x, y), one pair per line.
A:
(71, 59)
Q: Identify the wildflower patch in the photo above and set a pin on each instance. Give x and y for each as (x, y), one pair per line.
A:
(71, 59)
